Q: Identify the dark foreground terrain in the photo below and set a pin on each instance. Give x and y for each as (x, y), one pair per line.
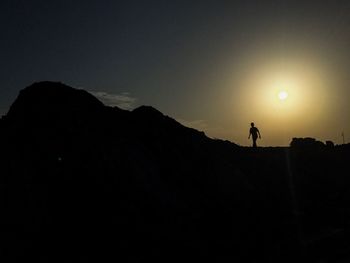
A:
(84, 182)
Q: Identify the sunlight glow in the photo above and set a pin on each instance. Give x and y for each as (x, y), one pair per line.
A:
(282, 95)
(285, 97)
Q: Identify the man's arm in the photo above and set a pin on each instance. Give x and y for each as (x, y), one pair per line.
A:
(259, 134)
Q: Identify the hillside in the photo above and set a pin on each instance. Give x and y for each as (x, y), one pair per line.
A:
(84, 181)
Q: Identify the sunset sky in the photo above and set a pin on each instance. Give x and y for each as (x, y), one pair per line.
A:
(212, 65)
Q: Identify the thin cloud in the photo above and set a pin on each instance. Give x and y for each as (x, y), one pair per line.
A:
(122, 100)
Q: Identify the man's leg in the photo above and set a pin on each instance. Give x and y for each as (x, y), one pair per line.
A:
(254, 143)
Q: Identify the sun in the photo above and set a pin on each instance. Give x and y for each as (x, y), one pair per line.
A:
(283, 95)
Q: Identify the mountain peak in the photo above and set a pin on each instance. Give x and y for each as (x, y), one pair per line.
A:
(48, 98)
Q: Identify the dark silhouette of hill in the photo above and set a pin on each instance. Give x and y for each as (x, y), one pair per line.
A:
(81, 181)
(308, 142)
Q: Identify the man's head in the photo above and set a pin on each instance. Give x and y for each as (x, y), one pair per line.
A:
(252, 124)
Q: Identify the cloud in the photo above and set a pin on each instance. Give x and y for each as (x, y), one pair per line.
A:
(122, 100)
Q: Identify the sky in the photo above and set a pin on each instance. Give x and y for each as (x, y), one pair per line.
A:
(216, 66)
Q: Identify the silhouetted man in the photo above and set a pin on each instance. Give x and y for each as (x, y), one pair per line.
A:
(254, 132)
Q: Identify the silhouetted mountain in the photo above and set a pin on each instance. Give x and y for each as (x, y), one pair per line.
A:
(81, 181)
(42, 103)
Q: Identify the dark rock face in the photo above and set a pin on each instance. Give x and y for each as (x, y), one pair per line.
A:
(329, 144)
(306, 143)
(82, 181)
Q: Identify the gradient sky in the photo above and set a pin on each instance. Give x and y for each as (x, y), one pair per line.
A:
(212, 65)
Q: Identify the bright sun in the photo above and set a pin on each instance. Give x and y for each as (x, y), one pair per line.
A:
(282, 95)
